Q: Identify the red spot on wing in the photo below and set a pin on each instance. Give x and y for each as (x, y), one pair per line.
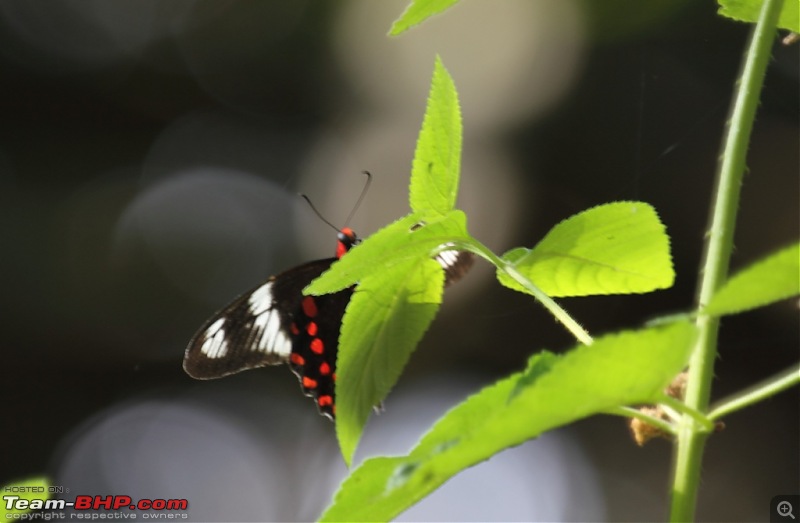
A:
(325, 401)
(309, 383)
(297, 359)
(317, 347)
(309, 307)
(324, 369)
(311, 329)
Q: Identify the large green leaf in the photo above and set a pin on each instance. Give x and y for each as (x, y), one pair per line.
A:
(437, 159)
(619, 369)
(417, 12)
(774, 278)
(616, 248)
(398, 294)
(399, 285)
(386, 318)
(747, 11)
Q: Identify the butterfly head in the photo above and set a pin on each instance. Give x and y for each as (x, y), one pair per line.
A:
(345, 241)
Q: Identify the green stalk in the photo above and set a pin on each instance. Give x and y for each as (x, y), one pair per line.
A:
(680, 408)
(691, 438)
(769, 387)
(554, 308)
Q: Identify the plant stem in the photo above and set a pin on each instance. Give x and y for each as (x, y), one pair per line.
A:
(679, 407)
(555, 309)
(756, 393)
(714, 272)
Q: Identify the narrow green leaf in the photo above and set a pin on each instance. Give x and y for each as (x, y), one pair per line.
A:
(619, 369)
(772, 279)
(417, 12)
(747, 11)
(413, 237)
(616, 248)
(437, 159)
(30, 489)
(387, 316)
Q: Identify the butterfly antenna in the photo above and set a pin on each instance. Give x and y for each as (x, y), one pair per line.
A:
(360, 197)
(355, 207)
(320, 216)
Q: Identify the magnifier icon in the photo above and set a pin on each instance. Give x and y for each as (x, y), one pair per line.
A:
(784, 509)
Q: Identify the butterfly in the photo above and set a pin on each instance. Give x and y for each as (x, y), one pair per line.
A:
(274, 324)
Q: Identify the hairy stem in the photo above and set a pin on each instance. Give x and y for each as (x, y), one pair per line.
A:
(714, 272)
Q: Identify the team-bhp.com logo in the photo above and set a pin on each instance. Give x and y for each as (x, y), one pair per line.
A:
(55, 508)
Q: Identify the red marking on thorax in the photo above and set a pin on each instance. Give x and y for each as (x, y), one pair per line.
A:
(342, 247)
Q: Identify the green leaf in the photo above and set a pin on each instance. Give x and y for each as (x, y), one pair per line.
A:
(437, 160)
(417, 12)
(774, 278)
(386, 318)
(747, 11)
(619, 369)
(399, 289)
(616, 248)
(416, 236)
(399, 285)
(27, 489)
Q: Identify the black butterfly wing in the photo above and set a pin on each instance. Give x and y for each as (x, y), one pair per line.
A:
(254, 330)
(315, 333)
(455, 264)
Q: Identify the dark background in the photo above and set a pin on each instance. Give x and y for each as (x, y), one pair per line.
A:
(150, 156)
